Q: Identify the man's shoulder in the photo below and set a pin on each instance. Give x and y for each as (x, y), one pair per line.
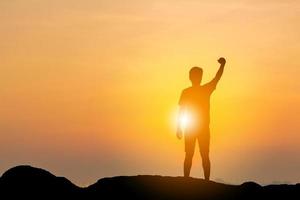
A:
(210, 86)
(187, 90)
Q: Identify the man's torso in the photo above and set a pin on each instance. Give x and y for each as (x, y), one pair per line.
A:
(196, 103)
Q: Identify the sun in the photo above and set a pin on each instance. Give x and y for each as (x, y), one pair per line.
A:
(185, 120)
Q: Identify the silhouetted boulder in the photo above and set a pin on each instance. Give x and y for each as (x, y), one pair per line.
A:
(34, 183)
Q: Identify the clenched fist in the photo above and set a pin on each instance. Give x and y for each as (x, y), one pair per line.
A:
(222, 61)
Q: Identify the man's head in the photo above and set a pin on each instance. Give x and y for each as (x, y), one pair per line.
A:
(196, 75)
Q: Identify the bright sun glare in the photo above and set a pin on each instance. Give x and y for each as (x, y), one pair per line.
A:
(185, 121)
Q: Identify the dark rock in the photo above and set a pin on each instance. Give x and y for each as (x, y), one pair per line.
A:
(33, 183)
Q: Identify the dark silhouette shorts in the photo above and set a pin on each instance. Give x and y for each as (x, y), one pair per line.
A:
(203, 138)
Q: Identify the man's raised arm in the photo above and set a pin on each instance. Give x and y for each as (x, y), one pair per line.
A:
(216, 79)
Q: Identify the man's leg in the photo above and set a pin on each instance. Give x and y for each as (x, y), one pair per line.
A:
(189, 153)
(188, 160)
(206, 166)
(204, 151)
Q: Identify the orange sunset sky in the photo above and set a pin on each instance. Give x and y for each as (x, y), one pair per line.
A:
(89, 88)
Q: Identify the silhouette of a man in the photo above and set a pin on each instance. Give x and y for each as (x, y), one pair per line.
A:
(195, 105)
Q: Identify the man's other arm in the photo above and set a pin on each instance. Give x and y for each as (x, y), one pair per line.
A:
(179, 117)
